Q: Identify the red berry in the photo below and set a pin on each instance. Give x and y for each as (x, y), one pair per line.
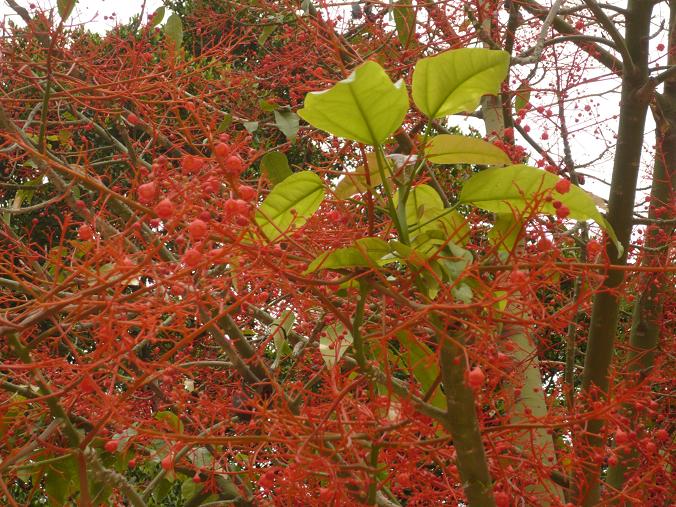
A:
(621, 437)
(221, 150)
(518, 277)
(192, 257)
(85, 232)
(132, 463)
(133, 119)
(247, 193)
(147, 192)
(267, 480)
(234, 165)
(660, 47)
(197, 229)
(562, 212)
(476, 377)
(557, 204)
(242, 207)
(662, 435)
(501, 499)
(562, 186)
(196, 478)
(164, 209)
(111, 445)
(544, 136)
(167, 463)
(191, 164)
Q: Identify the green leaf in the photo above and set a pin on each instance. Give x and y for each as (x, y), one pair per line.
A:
(366, 107)
(366, 253)
(288, 123)
(423, 362)
(505, 232)
(453, 149)
(171, 419)
(65, 8)
(266, 33)
(290, 204)
(250, 126)
(421, 198)
(190, 488)
(455, 81)
(513, 189)
(404, 20)
(173, 29)
(521, 97)
(333, 342)
(157, 17)
(267, 106)
(59, 480)
(355, 182)
(225, 123)
(276, 166)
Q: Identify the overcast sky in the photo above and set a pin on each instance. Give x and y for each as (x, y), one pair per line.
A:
(93, 12)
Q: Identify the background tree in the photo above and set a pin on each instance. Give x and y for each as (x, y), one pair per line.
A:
(206, 298)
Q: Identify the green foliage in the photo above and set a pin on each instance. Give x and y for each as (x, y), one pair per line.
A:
(173, 29)
(276, 166)
(518, 187)
(405, 20)
(455, 149)
(366, 107)
(455, 81)
(366, 252)
(65, 8)
(290, 204)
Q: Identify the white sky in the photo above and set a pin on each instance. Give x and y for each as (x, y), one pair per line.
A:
(92, 12)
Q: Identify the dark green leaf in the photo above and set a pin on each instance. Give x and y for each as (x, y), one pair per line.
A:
(173, 29)
(276, 166)
(288, 123)
(65, 8)
(404, 20)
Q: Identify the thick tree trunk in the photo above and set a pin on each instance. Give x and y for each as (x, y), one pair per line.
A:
(649, 307)
(601, 338)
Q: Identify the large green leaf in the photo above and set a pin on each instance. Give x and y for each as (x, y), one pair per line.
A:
(513, 189)
(366, 107)
(290, 204)
(455, 81)
(421, 198)
(366, 252)
(453, 149)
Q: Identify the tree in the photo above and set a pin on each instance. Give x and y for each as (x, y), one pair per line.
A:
(250, 256)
